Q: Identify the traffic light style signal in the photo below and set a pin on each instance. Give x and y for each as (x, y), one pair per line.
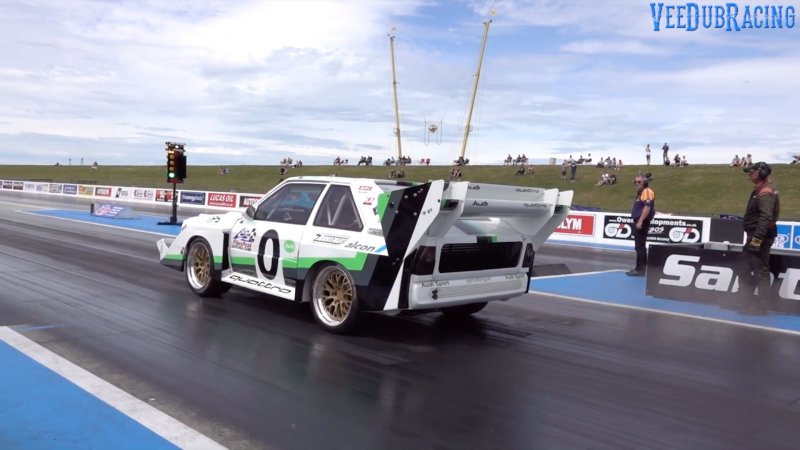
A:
(176, 164)
(172, 166)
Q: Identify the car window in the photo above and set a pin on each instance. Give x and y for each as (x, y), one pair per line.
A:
(290, 204)
(338, 210)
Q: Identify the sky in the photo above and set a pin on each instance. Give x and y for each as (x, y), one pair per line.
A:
(253, 82)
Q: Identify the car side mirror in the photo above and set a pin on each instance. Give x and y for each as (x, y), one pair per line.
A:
(250, 212)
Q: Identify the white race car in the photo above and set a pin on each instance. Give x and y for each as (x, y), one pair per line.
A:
(349, 245)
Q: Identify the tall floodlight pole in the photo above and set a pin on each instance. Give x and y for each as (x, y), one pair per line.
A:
(396, 107)
(468, 127)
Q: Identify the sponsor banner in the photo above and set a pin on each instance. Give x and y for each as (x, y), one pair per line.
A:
(102, 191)
(796, 236)
(70, 189)
(144, 194)
(192, 198)
(695, 273)
(163, 195)
(85, 190)
(55, 188)
(28, 186)
(784, 237)
(662, 229)
(222, 199)
(124, 193)
(247, 200)
(17, 185)
(577, 224)
(42, 187)
(6, 184)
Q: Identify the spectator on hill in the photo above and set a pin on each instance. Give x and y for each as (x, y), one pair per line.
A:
(665, 151)
(736, 162)
(647, 154)
(564, 170)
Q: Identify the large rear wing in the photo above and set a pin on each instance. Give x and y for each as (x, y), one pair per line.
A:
(534, 212)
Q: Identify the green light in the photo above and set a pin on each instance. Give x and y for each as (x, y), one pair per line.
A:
(172, 175)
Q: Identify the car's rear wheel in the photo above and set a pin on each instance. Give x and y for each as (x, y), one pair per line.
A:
(463, 310)
(334, 300)
(200, 273)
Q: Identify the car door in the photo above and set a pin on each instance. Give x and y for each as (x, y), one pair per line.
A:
(263, 248)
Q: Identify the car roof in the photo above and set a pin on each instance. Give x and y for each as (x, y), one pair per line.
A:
(348, 180)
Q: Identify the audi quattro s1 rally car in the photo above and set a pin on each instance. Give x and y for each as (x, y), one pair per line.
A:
(351, 245)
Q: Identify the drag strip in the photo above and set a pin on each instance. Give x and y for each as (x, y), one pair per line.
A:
(538, 371)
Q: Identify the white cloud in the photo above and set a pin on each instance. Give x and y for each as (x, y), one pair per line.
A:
(255, 81)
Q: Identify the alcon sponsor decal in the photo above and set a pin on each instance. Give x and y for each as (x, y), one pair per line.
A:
(364, 188)
(360, 247)
(254, 282)
(535, 205)
(531, 190)
(682, 271)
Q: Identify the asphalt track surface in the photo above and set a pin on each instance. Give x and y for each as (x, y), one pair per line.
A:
(536, 372)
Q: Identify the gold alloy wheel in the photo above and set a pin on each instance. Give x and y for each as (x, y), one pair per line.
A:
(333, 296)
(198, 268)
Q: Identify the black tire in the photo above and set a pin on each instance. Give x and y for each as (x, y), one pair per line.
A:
(333, 299)
(463, 310)
(203, 280)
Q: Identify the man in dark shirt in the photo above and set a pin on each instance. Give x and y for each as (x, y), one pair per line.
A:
(760, 225)
(644, 208)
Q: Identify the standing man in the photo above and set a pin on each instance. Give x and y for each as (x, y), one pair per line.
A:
(760, 225)
(647, 153)
(644, 208)
(665, 149)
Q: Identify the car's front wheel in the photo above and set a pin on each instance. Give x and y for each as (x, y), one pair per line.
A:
(334, 300)
(200, 272)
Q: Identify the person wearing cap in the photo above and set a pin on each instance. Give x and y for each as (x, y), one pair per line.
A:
(642, 212)
(760, 226)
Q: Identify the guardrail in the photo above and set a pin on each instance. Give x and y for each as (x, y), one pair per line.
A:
(579, 226)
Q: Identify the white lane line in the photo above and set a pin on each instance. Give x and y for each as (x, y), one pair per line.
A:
(160, 423)
(95, 223)
(669, 313)
(575, 274)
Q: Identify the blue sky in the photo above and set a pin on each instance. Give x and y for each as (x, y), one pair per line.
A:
(252, 82)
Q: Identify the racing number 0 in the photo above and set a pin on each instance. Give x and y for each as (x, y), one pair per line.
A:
(270, 235)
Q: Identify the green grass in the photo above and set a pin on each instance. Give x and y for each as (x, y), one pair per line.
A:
(698, 190)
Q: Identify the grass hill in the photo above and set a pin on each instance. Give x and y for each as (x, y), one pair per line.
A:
(696, 190)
